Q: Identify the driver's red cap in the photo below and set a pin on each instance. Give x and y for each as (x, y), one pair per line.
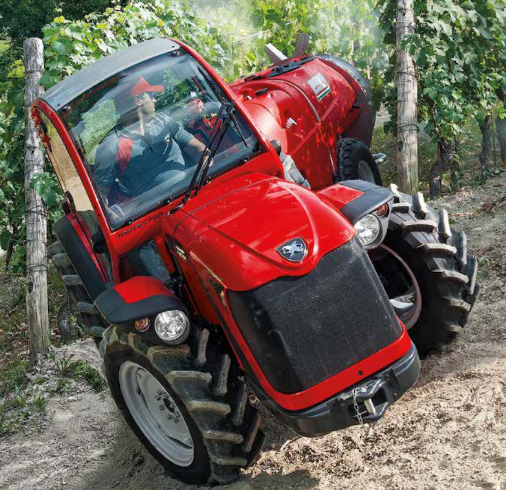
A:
(143, 86)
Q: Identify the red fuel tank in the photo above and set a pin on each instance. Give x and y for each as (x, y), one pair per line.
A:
(306, 107)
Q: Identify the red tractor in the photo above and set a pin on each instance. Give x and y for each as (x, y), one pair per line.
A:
(218, 239)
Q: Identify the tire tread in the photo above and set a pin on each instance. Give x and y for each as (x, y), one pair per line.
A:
(445, 257)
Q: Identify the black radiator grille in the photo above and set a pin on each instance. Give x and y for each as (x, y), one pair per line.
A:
(303, 330)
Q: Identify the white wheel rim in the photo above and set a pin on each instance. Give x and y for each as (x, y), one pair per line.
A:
(156, 413)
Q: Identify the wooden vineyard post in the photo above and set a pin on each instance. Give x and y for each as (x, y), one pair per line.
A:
(35, 210)
(407, 94)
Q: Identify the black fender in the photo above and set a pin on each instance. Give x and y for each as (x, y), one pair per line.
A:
(137, 298)
(372, 198)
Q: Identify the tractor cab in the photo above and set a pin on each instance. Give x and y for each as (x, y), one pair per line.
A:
(139, 134)
(132, 138)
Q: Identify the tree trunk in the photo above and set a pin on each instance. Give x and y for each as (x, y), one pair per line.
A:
(454, 156)
(10, 249)
(407, 94)
(446, 160)
(36, 223)
(500, 126)
(486, 146)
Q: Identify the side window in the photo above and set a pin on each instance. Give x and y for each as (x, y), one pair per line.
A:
(67, 175)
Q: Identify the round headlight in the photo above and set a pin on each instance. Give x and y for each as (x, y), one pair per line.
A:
(368, 229)
(172, 326)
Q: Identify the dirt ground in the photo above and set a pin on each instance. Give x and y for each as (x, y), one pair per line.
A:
(448, 432)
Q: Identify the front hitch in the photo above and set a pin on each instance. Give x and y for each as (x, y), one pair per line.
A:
(370, 401)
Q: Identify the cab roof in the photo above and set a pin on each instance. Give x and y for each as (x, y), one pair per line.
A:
(89, 76)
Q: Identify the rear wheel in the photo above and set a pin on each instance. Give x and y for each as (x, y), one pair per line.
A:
(79, 315)
(428, 275)
(187, 404)
(355, 161)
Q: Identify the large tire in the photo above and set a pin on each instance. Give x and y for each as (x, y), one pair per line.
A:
(210, 396)
(436, 255)
(89, 316)
(355, 161)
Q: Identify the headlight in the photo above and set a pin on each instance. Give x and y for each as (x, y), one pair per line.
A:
(172, 326)
(368, 229)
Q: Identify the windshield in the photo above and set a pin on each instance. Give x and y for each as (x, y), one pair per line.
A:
(142, 132)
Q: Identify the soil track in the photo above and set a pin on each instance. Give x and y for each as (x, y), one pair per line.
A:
(449, 432)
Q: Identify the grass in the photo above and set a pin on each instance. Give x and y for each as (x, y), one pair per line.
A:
(14, 412)
(16, 401)
(77, 370)
(64, 365)
(93, 377)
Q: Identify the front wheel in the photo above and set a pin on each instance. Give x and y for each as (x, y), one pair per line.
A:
(426, 271)
(186, 404)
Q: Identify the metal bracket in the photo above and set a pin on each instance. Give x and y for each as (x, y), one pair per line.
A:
(301, 46)
(379, 158)
(274, 54)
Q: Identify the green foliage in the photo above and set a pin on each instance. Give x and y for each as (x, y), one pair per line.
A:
(71, 45)
(460, 52)
(22, 19)
(11, 148)
(49, 189)
(69, 369)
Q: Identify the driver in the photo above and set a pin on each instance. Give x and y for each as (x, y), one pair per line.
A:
(144, 149)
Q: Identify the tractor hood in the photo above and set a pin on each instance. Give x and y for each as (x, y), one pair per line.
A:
(238, 236)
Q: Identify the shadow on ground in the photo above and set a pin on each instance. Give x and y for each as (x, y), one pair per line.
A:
(127, 465)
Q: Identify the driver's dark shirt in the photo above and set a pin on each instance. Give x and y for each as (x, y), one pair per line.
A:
(153, 153)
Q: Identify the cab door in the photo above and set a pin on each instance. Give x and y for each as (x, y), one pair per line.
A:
(76, 229)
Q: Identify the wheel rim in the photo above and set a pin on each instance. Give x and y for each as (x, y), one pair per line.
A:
(365, 172)
(408, 305)
(156, 413)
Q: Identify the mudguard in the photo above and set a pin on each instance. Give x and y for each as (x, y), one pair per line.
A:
(137, 298)
(355, 205)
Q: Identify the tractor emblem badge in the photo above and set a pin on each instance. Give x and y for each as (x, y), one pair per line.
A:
(294, 250)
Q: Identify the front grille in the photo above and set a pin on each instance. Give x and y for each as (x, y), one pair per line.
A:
(303, 330)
